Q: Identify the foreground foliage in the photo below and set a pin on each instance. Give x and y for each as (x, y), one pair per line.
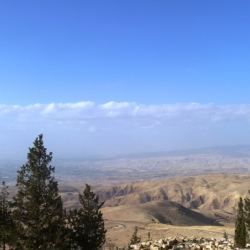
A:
(240, 228)
(242, 224)
(37, 220)
(37, 205)
(6, 223)
(88, 231)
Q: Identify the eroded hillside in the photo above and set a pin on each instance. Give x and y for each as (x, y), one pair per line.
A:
(209, 192)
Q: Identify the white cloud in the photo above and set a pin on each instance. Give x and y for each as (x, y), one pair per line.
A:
(116, 105)
(113, 127)
(51, 108)
(132, 113)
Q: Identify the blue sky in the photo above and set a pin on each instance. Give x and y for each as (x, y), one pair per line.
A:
(105, 77)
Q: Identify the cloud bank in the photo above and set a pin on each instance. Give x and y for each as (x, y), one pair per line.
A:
(73, 129)
(125, 112)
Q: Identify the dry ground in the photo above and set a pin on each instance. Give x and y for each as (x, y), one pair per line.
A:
(119, 236)
(190, 206)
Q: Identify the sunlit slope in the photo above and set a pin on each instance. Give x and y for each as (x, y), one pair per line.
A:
(200, 200)
(201, 192)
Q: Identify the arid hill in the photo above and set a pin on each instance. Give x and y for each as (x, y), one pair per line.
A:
(213, 196)
(205, 193)
(164, 212)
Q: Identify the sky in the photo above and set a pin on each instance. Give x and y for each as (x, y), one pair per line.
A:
(112, 77)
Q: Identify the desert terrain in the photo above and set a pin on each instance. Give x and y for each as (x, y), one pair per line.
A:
(190, 206)
(179, 193)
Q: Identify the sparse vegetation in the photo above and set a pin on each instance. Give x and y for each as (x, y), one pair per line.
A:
(149, 236)
(135, 239)
(225, 236)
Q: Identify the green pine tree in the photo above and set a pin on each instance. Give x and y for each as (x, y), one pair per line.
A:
(240, 227)
(38, 210)
(86, 223)
(6, 224)
(135, 239)
(247, 214)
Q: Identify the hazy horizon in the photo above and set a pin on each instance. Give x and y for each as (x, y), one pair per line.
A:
(241, 151)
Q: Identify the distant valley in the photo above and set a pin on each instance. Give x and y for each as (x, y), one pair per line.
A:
(143, 167)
